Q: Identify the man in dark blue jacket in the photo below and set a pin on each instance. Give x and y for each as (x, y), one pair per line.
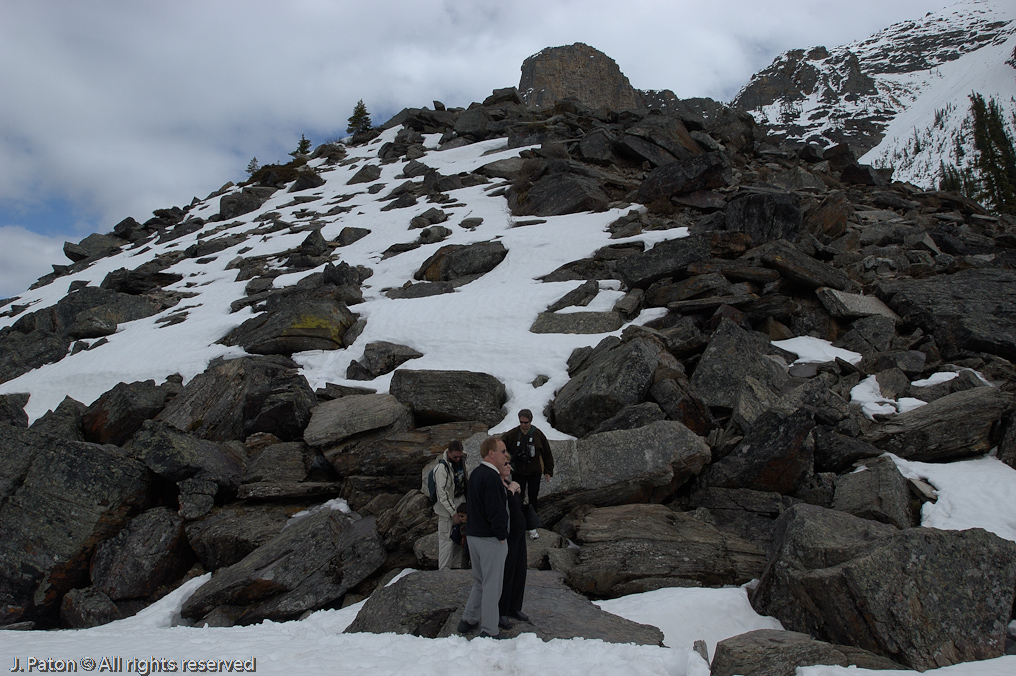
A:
(486, 535)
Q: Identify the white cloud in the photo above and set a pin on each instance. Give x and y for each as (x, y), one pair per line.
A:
(24, 257)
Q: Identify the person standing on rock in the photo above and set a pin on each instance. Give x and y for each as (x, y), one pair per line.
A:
(451, 483)
(531, 458)
(514, 588)
(486, 535)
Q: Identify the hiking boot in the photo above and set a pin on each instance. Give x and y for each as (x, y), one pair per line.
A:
(466, 627)
(496, 637)
(519, 615)
(504, 622)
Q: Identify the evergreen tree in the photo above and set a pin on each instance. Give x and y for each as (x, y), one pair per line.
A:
(303, 147)
(996, 161)
(253, 166)
(359, 120)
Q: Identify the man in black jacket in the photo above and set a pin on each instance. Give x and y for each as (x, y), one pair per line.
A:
(531, 457)
(486, 535)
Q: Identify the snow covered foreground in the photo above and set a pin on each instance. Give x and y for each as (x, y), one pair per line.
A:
(972, 493)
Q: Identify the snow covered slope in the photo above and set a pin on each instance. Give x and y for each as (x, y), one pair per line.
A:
(899, 97)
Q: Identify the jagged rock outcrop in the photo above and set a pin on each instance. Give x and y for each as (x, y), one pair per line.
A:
(576, 71)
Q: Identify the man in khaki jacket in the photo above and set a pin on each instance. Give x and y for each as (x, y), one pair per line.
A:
(450, 480)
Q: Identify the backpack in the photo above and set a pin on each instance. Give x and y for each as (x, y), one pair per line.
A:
(431, 484)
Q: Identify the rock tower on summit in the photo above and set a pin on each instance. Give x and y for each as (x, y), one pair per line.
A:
(576, 71)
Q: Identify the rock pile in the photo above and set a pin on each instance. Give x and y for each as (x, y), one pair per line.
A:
(703, 454)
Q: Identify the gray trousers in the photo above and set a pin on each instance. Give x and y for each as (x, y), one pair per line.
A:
(488, 556)
(449, 554)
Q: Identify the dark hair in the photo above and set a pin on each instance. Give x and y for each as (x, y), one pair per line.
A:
(527, 414)
(454, 445)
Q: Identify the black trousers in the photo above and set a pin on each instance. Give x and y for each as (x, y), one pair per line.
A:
(514, 587)
(530, 483)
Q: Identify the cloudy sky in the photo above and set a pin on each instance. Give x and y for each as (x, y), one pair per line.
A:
(113, 108)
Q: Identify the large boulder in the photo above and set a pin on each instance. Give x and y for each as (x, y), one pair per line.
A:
(116, 415)
(772, 652)
(392, 462)
(311, 564)
(707, 171)
(380, 357)
(776, 454)
(150, 552)
(732, 356)
(765, 216)
(58, 500)
(228, 534)
(965, 311)
(923, 597)
(295, 326)
(670, 258)
(430, 604)
(95, 245)
(334, 421)
(635, 548)
(959, 425)
(575, 71)
(877, 491)
(176, 456)
(12, 410)
(456, 261)
(611, 468)
(450, 396)
(751, 515)
(234, 399)
(559, 193)
(618, 377)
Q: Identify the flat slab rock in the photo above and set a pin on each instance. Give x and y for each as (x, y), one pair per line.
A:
(430, 603)
(771, 652)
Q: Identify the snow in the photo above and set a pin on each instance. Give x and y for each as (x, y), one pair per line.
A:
(810, 350)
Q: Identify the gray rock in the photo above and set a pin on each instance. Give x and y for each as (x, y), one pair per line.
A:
(392, 462)
(620, 377)
(150, 552)
(297, 326)
(176, 456)
(670, 258)
(751, 515)
(12, 409)
(771, 652)
(707, 171)
(559, 193)
(765, 217)
(732, 355)
(843, 304)
(350, 234)
(366, 174)
(430, 604)
(507, 168)
(630, 417)
(869, 335)
(116, 415)
(401, 525)
(580, 295)
(964, 380)
(228, 534)
(94, 246)
(380, 357)
(63, 422)
(575, 71)
(965, 311)
(234, 399)
(776, 455)
(58, 499)
(634, 548)
(88, 607)
(960, 425)
(455, 261)
(334, 421)
(243, 202)
(836, 452)
(449, 396)
(878, 492)
(924, 597)
(619, 466)
(802, 268)
(577, 322)
(311, 564)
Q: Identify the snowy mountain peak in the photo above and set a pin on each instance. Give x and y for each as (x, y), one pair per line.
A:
(872, 94)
